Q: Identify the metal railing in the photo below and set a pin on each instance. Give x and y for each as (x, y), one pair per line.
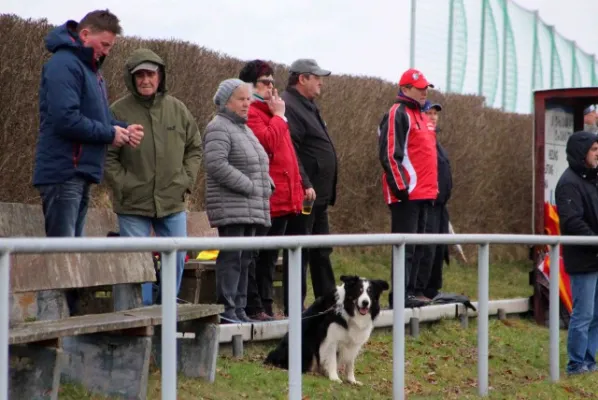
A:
(168, 246)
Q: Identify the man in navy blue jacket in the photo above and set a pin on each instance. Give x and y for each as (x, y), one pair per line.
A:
(76, 123)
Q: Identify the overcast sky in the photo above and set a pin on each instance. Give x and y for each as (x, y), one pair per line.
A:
(347, 36)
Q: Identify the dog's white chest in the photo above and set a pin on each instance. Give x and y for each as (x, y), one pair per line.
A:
(358, 333)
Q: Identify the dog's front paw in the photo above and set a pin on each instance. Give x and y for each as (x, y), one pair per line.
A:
(355, 382)
(335, 379)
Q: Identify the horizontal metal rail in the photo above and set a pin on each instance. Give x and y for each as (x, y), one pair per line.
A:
(31, 245)
(164, 244)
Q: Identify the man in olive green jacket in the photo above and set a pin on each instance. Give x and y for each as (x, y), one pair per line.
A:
(149, 182)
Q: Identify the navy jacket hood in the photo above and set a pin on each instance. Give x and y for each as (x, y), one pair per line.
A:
(65, 36)
(578, 145)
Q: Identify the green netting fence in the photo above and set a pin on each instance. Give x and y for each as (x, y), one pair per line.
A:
(497, 49)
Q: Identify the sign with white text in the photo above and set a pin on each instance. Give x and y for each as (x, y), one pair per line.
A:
(558, 126)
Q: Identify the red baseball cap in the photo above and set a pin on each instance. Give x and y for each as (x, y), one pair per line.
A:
(415, 78)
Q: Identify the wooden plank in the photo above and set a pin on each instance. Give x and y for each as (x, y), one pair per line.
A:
(211, 264)
(95, 323)
(34, 272)
(200, 265)
(142, 331)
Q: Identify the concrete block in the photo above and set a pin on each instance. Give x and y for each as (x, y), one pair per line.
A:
(34, 372)
(109, 364)
(196, 357)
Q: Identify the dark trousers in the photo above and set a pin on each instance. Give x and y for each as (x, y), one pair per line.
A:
(437, 223)
(65, 209)
(232, 269)
(260, 283)
(411, 217)
(320, 267)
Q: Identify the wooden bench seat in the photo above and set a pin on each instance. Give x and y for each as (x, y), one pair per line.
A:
(107, 352)
(120, 321)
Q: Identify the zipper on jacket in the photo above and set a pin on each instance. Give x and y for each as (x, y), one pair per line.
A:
(77, 150)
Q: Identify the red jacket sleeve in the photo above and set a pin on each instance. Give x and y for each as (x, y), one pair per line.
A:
(268, 133)
(393, 131)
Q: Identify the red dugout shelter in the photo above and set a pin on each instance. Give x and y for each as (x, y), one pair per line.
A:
(557, 114)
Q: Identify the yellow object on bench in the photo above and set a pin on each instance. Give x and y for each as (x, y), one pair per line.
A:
(207, 255)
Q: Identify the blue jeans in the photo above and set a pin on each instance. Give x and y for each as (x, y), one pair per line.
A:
(65, 208)
(582, 340)
(174, 225)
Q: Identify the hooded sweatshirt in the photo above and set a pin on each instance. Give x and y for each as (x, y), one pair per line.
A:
(75, 121)
(152, 179)
(576, 196)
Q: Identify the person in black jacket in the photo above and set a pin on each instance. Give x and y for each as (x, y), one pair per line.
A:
(317, 161)
(429, 280)
(576, 197)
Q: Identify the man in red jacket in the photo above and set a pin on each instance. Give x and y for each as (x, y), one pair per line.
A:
(267, 121)
(407, 152)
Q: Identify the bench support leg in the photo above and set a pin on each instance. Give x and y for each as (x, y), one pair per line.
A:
(196, 357)
(109, 364)
(126, 296)
(35, 372)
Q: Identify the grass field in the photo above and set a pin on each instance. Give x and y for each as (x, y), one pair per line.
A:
(441, 362)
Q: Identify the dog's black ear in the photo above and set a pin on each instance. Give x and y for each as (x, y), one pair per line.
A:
(349, 278)
(380, 284)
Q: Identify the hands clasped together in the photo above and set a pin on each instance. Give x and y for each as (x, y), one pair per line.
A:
(131, 136)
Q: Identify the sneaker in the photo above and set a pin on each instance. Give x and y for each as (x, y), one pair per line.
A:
(415, 302)
(592, 368)
(262, 317)
(423, 299)
(229, 317)
(578, 371)
(242, 317)
(268, 308)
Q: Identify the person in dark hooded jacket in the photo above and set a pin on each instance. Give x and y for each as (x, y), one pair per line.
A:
(576, 197)
(75, 123)
(429, 280)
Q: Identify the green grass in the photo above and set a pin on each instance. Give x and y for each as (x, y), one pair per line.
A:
(507, 280)
(441, 362)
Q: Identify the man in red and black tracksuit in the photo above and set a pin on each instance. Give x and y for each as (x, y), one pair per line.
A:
(407, 151)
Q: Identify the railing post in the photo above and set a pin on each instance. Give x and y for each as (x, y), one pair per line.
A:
(483, 298)
(554, 307)
(398, 329)
(5, 315)
(169, 325)
(295, 301)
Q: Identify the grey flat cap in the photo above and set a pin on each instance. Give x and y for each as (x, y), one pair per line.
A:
(148, 66)
(308, 66)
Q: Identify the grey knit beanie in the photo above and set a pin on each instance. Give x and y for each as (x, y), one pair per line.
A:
(225, 90)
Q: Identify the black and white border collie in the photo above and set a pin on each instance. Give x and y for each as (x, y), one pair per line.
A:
(334, 328)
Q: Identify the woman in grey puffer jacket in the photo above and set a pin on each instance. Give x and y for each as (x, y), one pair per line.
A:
(238, 189)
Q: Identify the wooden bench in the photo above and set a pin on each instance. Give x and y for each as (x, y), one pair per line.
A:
(199, 278)
(108, 352)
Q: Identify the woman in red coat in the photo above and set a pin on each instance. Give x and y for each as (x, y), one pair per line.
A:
(267, 121)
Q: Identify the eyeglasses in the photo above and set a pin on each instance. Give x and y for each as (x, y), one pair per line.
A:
(266, 82)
